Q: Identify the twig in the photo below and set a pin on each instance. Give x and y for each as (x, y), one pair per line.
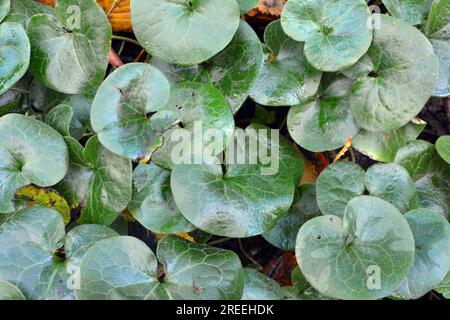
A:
(139, 56)
(248, 256)
(122, 38)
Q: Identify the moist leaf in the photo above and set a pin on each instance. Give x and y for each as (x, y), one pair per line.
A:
(125, 268)
(153, 204)
(98, 182)
(337, 185)
(67, 57)
(405, 70)
(197, 29)
(336, 33)
(31, 152)
(233, 70)
(286, 78)
(15, 49)
(303, 208)
(431, 263)
(340, 257)
(383, 145)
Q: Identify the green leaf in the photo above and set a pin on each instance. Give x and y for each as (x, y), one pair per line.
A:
(199, 108)
(343, 258)
(30, 252)
(23, 10)
(15, 49)
(431, 264)
(443, 148)
(125, 268)
(233, 71)
(120, 108)
(286, 78)
(198, 29)
(153, 204)
(70, 53)
(391, 182)
(258, 286)
(8, 291)
(234, 200)
(31, 152)
(325, 122)
(4, 9)
(303, 208)
(410, 11)
(301, 289)
(444, 287)
(430, 173)
(442, 50)
(383, 145)
(437, 26)
(98, 182)
(246, 5)
(337, 185)
(336, 33)
(63, 120)
(401, 80)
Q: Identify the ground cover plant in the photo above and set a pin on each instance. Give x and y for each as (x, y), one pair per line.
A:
(224, 149)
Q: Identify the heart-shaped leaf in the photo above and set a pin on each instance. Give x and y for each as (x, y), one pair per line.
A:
(431, 264)
(303, 208)
(337, 185)
(4, 9)
(236, 199)
(364, 255)
(286, 78)
(153, 204)
(31, 256)
(125, 268)
(15, 49)
(198, 29)
(325, 122)
(98, 182)
(430, 173)
(121, 107)
(410, 11)
(401, 80)
(258, 286)
(383, 145)
(443, 148)
(70, 52)
(31, 152)
(391, 182)
(8, 291)
(233, 71)
(336, 33)
(199, 109)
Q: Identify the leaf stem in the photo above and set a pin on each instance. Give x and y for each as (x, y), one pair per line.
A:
(126, 39)
(248, 256)
(221, 240)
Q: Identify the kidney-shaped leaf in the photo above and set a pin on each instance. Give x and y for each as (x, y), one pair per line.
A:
(122, 110)
(125, 268)
(404, 72)
(153, 204)
(432, 262)
(70, 51)
(336, 33)
(98, 182)
(303, 208)
(184, 32)
(391, 182)
(14, 54)
(286, 78)
(326, 122)
(337, 185)
(30, 252)
(30, 152)
(365, 255)
(233, 71)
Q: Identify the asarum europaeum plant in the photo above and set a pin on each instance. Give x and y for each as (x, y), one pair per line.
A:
(208, 137)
